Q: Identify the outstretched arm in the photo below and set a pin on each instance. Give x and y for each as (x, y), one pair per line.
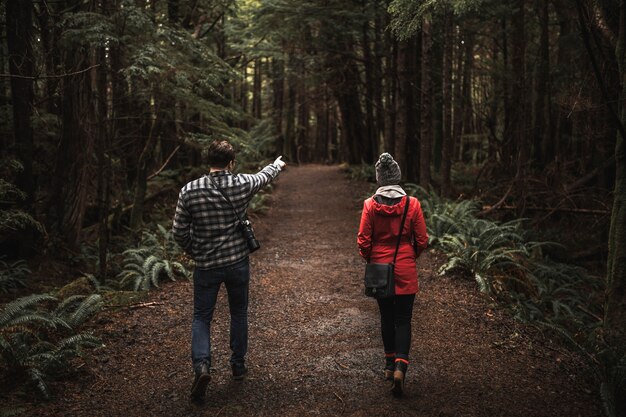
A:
(263, 177)
(364, 238)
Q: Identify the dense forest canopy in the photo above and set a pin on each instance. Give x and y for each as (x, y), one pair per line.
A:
(107, 104)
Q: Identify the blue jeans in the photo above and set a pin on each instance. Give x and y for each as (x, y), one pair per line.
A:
(206, 285)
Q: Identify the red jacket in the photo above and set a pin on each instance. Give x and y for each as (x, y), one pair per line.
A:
(378, 235)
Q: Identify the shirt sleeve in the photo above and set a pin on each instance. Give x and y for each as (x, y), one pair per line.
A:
(419, 230)
(182, 225)
(261, 178)
(364, 238)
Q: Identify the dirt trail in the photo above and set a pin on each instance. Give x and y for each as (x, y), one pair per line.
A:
(315, 347)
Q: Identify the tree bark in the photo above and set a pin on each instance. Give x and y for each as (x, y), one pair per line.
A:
(19, 24)
(290, 133)
(256, 89)
(347, 95)
(278, 90)
(542, 71)
(519, 124)
(391, 94)
(446, 148)
(141, 175)
(370, 121)
(405, 104)
(75, 151)
(99, 86)
(426, 114)
(615, 305)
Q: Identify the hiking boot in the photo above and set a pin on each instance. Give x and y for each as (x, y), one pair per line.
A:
(200, 382)
(390, 367)
(398, 377)
(239, 371)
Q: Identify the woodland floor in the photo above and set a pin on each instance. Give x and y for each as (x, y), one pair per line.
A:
(315, 347)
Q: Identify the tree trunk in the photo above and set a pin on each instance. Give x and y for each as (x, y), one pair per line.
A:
(290, 134)
(467, 103)
(172, 11)
(615, 305)
(405, 104)
(75, 151)
(278, 89)
(99, 86)
(446, 148)
(391, 94)
(141, 176)
(49, 35)
(426, 114)
(508, 142)
(378, 81)
(19, 24)
(518, 129)
(256, 89)
(348, 100)
(457, 110)
(542, 72)
(370, 121)
(438, 34)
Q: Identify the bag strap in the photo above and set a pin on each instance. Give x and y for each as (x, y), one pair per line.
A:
(217, 187)
(406, 210)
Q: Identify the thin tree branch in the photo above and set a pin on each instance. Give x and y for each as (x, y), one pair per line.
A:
(158, 171)
(49, 76)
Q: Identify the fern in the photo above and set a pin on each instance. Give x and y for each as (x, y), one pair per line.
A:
(38, 335)
(144, 267)
(12, 275)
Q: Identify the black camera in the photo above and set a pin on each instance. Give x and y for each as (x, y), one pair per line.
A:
(248, 234)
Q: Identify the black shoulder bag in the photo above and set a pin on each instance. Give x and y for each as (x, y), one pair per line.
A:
(379, 278)
(245, 225)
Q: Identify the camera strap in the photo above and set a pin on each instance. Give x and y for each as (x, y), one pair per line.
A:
(227, 199)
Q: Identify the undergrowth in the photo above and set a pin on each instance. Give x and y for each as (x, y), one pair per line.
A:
(508, 266)
(13, 275)
(40, 336)
(157, 257)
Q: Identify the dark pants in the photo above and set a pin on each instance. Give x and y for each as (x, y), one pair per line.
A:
(395, 323)
(206, 285)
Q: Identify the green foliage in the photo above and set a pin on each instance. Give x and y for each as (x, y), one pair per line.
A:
(363, 172)
(482, 248)
(554, 292)
(153, 260)
(39, 336)
(12, 275)
(407, 15)
(13, 218)
(505, 263)
(259, 202)
(444, 216)
(10, 412)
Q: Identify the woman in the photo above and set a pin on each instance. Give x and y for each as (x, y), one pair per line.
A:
(377, 239)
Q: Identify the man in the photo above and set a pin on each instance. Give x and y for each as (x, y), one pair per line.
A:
(207, 227)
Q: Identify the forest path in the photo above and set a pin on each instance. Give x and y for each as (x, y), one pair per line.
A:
(315, 347)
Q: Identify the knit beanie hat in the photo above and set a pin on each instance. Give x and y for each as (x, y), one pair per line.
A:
(387, 171)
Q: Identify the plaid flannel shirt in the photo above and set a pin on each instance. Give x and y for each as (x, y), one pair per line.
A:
(205, 225)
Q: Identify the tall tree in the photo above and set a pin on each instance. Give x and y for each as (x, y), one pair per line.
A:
(19, 26)
(446, 148)
(615, 305)
(426, 114)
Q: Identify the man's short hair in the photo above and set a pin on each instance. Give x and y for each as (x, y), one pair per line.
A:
(220, 153)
